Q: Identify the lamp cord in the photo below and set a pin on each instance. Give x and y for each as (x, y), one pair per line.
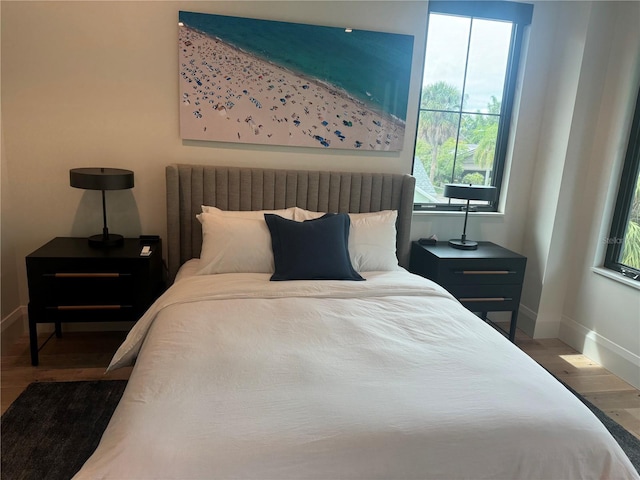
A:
(464, 229)
(105, 230)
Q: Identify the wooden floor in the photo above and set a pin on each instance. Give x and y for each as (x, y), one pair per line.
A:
(84, 356)
(615, 397)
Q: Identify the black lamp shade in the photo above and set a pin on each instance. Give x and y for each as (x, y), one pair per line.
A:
(470, 192)
(101, 178)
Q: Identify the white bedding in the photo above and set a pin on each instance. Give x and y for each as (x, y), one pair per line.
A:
(239, 377)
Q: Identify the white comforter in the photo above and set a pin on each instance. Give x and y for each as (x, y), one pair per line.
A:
(239, 377)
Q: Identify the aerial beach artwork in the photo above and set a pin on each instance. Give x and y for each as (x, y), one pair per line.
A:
(277, 83)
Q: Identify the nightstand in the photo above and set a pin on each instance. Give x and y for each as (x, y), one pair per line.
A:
(70, 281)
(488, 279)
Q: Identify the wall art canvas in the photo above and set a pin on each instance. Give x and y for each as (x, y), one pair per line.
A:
(277, 83)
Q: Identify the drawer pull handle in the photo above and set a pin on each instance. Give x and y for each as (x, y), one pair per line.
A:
(89, 307)
(484, 272)
(485, 299)
(87, 275)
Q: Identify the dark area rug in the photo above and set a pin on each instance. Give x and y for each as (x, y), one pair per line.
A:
(629, 443)
(53, 427)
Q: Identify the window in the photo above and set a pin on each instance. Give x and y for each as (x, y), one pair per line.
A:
(623, 244)
(471, 62)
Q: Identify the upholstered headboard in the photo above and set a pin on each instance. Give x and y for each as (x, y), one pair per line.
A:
(232, 188)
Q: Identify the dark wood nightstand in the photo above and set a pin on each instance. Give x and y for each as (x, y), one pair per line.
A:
(488, 279)
(70, 281)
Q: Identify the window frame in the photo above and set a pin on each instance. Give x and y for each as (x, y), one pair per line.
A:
(626, 192)
(520, 15)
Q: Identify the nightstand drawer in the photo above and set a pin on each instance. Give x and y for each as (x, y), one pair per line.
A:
(481, 272)
(487, 298)
(69, 289)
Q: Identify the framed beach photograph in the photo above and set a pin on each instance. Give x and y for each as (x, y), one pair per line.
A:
(277, 83)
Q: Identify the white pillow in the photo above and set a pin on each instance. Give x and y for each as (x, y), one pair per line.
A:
(300, 214)
(285, 213)
(236, 242)
(372, 239)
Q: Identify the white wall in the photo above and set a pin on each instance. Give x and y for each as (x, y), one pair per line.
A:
(9, 291)
(507, 227)
(559, 103)
(96, 84)
(592, 86)
(601, 317)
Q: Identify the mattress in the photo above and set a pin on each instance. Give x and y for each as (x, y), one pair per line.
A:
(239, 377)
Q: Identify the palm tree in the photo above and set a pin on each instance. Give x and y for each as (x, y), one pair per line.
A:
(485, 152)
(485, 134)
(631, 244)
(435, 125)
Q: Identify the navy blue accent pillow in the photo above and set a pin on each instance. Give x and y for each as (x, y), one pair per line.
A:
(311, 250)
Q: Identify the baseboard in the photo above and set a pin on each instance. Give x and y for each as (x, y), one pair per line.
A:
(527, 320)
(87, 327)
(15, 316)
(13, 327)
(93, 326)
(618, 360)
(16, 324)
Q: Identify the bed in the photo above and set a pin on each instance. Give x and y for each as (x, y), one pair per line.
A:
(383, 376)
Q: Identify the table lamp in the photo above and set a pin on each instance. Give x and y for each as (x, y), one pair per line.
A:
(102, 179)
(468, 193)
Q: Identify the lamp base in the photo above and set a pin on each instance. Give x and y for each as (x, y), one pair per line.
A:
(108, 241)
(463, 244)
